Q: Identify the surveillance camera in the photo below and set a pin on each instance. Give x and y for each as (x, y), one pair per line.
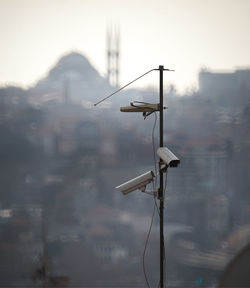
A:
(139, 182)
(168, 157)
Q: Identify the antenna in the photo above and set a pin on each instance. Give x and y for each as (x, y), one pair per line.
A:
(113, 55)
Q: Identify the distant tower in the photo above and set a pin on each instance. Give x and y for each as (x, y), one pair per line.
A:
(113, 55)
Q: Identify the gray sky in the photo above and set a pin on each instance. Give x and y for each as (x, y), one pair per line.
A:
(185, 35)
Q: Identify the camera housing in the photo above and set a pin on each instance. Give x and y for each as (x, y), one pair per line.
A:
(139, 182)
(168, 157)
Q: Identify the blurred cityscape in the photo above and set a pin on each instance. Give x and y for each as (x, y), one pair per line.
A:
(62, 223)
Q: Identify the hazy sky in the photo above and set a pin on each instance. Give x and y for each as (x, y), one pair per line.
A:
(185, 35)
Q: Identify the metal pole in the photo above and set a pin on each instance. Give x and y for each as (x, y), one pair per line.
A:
(160, 191)
(160, 195)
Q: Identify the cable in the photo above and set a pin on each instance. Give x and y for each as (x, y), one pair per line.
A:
(155, 205)
(165, 187)
(145, 248)
(155, 163)
(164, 195)
(131, 83)
(165, 274)
(153, 144)
(123, 87)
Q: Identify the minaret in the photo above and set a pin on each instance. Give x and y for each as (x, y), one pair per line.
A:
(113, 55)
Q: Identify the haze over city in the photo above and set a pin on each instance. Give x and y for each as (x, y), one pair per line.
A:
(64, 219)
(183, 35)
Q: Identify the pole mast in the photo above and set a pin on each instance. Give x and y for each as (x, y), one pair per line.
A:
(160, 194)
(161, 188)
